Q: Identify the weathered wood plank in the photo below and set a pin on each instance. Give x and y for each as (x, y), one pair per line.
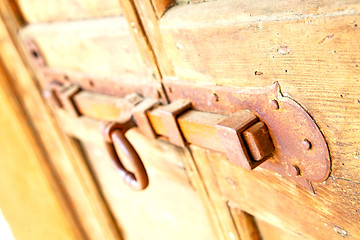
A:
(315, 57)
(209, 47)
(75, 180)
(271, 232)
(266, 8)
(28, 200)
(55, 10)
(151, 26)
(246, 225)
(168, 209)
(330, 214)
(160, 6)
(138, 32)
(102, 47)
(226, 222)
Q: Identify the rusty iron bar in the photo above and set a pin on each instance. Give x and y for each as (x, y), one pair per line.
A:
(263, 136)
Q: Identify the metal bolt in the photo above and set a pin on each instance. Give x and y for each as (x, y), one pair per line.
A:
(306, 144)
(274, 104)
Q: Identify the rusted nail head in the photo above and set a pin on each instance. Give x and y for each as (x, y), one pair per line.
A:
(307, 144)
(296, 170)
(274, 104)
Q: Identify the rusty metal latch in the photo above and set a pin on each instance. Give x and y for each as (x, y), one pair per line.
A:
(131, 169)
(256, 127)
(264, 128)
(246, 140)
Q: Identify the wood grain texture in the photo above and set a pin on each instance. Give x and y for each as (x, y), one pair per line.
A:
(209, 47)
(314, 56)
(102, 47)
(75, 180)
(55, 10)
(150, 22)
(160, 6)
(312, 50)
(138, 32)
(271, 232)
(330, 214)
(246, 225)
(168, 209)
(88, 130)
(28, 199)
(226, 222)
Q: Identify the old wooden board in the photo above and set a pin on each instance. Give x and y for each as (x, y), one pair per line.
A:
(150, 22)
(271, 232)
(76, 186)
(168, 209)
(102, 47)
(310, 47)
(28, 200)
(330, 214)
(314, 56)
(313, 51)
(55, 10)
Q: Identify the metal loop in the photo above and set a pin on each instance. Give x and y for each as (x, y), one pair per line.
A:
(131, 169)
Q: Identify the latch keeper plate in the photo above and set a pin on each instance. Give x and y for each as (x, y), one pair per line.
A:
(289, 125)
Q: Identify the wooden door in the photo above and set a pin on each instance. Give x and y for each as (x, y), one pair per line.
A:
(302, 45)
(30, 204)
(114, 48)
(81, 40)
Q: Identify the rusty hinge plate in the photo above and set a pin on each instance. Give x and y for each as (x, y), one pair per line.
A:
(300, 151)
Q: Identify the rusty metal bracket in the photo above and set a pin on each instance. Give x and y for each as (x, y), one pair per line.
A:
(245, 139)
(254, 127)
(300, 151)
(51, 94)
(67, 98)
(62, 96)
(141, 118)
(258, 141)
(115, 86)
(169, 113)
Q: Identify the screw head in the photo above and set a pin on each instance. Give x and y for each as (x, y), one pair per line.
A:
(306, 144)
(274, 104)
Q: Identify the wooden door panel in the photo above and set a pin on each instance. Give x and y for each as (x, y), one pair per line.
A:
(102, 48)
(237, 43)
(258, 229)
(271, 232)
(29, 200)
(150, 22)
(168, 209)
(309, 57)
(55, 10)
(211, 41)
(311, 48)
(305, 48)
(281, 202)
